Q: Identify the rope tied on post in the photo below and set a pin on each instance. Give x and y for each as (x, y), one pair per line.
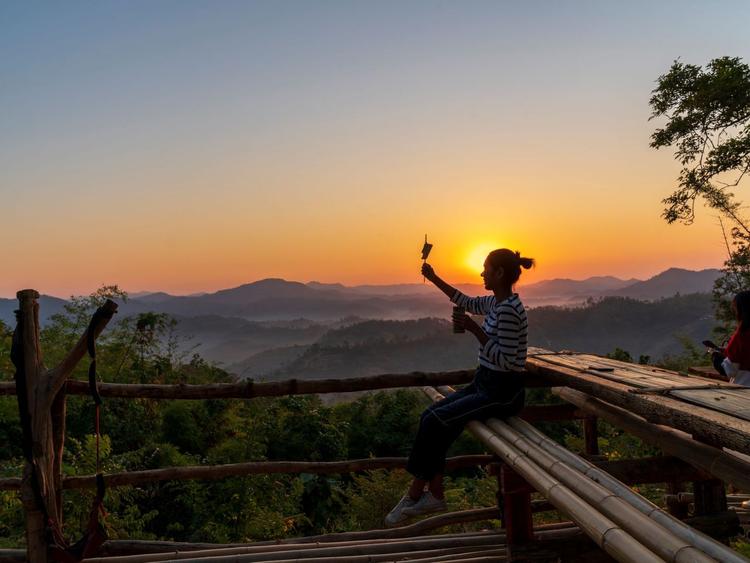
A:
(100, 314)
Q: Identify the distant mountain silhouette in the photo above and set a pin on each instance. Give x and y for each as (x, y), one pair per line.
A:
(48, 306)
(562, 290)
(669, 283)
(277, 299)
(640, 327)
(282, 300)
(151, 296)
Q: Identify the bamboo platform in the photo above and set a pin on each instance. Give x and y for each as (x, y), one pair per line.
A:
(711, 411)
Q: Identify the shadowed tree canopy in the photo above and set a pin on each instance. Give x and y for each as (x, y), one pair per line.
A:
(707, 112)
(708, 122)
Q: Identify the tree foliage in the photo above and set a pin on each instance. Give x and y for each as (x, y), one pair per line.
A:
(707, 112)
(708, 123)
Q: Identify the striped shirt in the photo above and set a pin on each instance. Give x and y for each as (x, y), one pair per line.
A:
(505, 324)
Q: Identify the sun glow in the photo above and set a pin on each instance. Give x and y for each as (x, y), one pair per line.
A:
(476, 257)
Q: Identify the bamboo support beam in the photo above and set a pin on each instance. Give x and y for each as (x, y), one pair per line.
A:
(605, 533)
(658, 539)
(130, 478)
(630, 471)
(250, 389)
(666, 536)
(211, 472)
(327, 549)
(557, 530)
(114, 551)
(377, 551)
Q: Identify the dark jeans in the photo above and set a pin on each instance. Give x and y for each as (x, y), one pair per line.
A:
(492, 394)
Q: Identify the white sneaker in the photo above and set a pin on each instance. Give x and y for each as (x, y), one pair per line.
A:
(427, 503)
(396, 516)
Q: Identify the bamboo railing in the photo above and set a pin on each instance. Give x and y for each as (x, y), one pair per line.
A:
(250, 389)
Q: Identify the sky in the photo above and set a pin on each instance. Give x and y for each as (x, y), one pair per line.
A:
(192, 146)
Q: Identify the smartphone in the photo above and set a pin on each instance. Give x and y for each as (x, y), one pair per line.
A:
(711, 346)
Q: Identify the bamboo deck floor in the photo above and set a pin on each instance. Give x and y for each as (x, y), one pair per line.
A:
(696, 404)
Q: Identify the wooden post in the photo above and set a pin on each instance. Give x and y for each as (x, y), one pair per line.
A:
(590, 436)
(709, 497)
(44, 401)
(34, 487)
(517, 507)
(712, 515)
(674, 507)
(514, 499)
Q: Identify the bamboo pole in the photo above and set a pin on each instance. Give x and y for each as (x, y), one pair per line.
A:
(261, 467)
(607, 535)
(119, 548)
(665, 543)
(207, 472)
(324, 552)
(123, 551)
(714, 461)
(444, 555)
(673, 525)
(250, 389)
(669, 538)
(644, 470)
(483, 556)
(281, 552)
(471, 539)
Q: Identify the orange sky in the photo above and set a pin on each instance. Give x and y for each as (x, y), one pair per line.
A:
(195, 150)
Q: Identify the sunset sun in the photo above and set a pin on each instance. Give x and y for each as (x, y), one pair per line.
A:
(476, 257)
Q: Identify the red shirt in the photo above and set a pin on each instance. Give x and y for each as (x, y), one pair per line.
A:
(738, 349)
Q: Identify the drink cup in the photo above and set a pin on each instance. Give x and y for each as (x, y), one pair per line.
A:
(458, 312)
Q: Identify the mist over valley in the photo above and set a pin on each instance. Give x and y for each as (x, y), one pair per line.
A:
(274, 329)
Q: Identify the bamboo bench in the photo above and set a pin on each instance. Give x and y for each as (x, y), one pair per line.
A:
(621, 522)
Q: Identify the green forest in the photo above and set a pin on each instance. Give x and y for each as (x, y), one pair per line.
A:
(147, 434)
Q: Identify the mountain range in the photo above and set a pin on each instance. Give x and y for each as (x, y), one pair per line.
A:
(278, 299)
(276, 328)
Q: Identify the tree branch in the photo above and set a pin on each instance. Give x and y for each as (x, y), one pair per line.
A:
(58, 375)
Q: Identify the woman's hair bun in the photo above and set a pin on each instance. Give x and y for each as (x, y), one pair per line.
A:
(511, 262)
(525, 263)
